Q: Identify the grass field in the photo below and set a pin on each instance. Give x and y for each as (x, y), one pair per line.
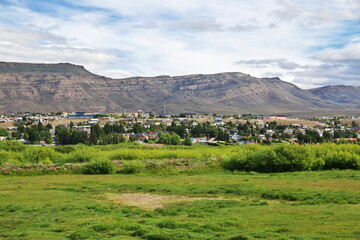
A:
(221, 205)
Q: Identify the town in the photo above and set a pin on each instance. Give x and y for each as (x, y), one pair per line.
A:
(186, 128)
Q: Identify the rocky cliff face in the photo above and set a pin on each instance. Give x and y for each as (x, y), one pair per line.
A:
(67, 87)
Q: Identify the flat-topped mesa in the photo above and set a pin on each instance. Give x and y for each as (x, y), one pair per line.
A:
(40, 68)
(67, 87)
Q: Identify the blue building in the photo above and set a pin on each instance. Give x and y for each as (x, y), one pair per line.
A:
(81, 115)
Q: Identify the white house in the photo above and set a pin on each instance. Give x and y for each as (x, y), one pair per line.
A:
(93, 121)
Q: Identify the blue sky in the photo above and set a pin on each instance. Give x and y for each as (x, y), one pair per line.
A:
(309, 43)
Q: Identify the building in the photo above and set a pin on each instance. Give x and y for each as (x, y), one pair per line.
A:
(81, 115)
(280, 117)
(93, 121)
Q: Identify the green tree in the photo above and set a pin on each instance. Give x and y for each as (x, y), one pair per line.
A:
(122, 139)
(48, 126)
(327, 136)
(97, 134)
(17, 135)
(164, 138)
(62, 135)
(45, 135)
(175, 139)
(40, 127)
(187, 141)
(3, 132)
(33, 134)
(137, 128)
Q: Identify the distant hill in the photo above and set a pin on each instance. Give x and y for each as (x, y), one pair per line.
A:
(56, 69)
(339, 94)
(67, 87)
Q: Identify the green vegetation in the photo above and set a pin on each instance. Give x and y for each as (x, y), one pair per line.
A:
(178, 158)
(289, 158)
(134, 191)
(100, 166)
(298, 205)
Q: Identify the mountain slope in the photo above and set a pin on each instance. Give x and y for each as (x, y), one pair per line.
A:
(340, 94)
(67, 87)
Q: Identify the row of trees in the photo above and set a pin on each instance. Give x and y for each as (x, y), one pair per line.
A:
(207, 130)
(34, 133)
(103, 136)
(98, 135)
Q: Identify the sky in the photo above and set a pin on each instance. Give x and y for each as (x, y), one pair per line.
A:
(310, 43)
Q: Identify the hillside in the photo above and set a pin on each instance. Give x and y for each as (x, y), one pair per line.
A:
(67, 87)
(341, 94)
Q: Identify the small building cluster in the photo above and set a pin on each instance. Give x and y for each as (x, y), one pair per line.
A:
(200, 128)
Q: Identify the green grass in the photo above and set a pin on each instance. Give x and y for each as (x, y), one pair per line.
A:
(297, 205)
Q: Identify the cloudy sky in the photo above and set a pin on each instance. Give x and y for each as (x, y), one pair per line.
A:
(310, 43)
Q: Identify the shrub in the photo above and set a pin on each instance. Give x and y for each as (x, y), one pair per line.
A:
(65, 149)
(5, 156)
(175, 139)
(187, 141)
(13, 146)
(342, 160)
(37, 155)
(239, 162)
(99, 166)
(131, 167)
(275, 158)
(264, 160)
(83, 155)
(292, 158)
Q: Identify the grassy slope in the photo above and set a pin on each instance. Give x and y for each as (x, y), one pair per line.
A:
(79, 207)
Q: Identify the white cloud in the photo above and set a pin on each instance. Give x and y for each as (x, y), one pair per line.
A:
(42, 47)
(350, 51)
(128, 38)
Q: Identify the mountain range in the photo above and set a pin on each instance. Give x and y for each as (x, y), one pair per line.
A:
(26, 87)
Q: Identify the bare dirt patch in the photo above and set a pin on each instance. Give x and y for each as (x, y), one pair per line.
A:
(153, 144)
(150, 201)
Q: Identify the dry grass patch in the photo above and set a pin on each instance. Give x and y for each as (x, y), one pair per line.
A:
(152, 201)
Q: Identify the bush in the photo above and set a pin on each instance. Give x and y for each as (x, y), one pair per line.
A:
(83, 155)
(6, 157)
(342, 160)
(264, 160)
(175, 139)
(280, 158)
(99, 166)
(13, 146)
(292, 158)
(131, 167)
(238, 162)
(187, 141)
(37, 155)
(65, 149)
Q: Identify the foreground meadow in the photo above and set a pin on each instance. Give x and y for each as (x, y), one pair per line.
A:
(219, 205)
